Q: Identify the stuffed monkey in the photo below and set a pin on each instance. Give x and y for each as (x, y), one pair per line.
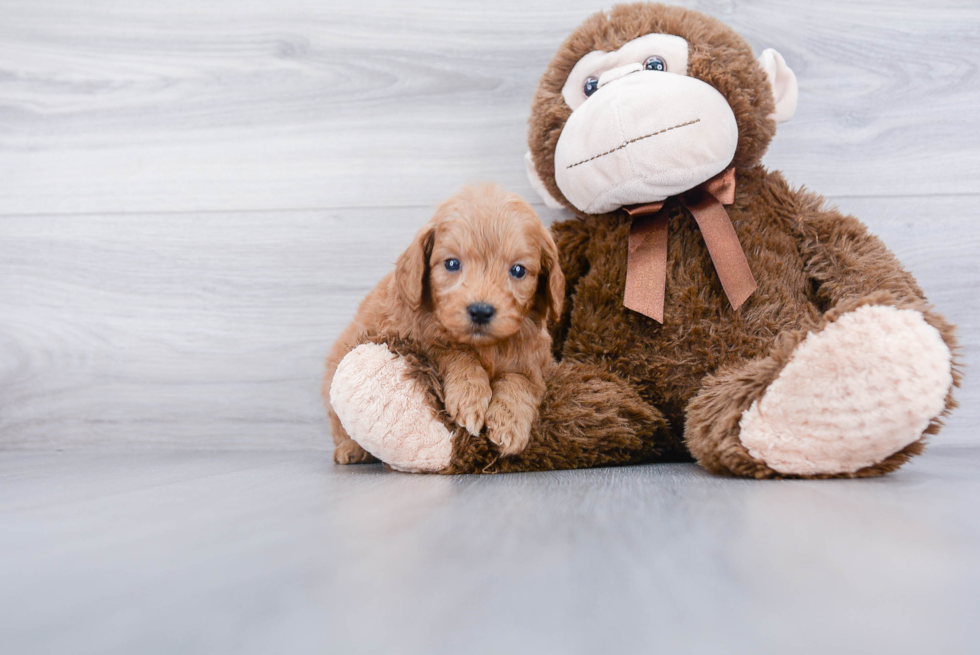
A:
(712, 311)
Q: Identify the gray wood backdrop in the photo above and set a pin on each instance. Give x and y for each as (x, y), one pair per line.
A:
(195, 195)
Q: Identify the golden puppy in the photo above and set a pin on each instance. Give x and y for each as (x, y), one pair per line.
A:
(474, 291)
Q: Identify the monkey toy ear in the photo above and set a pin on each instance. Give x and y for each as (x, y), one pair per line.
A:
(782, 79)
(538, 185)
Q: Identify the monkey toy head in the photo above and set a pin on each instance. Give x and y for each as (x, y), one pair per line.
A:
(647, 101)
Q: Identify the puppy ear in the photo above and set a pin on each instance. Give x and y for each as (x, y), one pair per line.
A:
(412, 267)
(551, 281)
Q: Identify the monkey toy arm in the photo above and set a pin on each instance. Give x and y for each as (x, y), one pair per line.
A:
(845, 262)
(849, 268)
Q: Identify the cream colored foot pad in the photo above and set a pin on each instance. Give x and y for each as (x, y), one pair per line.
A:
(860, 390)
(384, 411)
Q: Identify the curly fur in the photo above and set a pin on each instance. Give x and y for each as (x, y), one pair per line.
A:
(490, 373)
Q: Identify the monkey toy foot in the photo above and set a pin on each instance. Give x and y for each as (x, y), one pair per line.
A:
(387, 412)
(860, 390)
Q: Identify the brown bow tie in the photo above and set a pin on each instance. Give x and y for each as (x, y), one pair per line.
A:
(646, 270)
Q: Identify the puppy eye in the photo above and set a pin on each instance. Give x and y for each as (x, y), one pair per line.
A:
(518, 271)
(655, 63)
(591, 85)
(452, 264)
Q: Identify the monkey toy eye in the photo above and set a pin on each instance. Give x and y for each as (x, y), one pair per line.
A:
(591, 85)
(452, 265)
(655, 63)
(517, 271)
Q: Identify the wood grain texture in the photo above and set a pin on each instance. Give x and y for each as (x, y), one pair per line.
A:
(195, 197)
(210, 330)
(181, 329)
(286, 553)
(144, 107)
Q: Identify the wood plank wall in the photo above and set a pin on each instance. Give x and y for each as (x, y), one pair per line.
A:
(195, 195)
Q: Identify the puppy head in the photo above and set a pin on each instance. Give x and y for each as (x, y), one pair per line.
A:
(482, 265)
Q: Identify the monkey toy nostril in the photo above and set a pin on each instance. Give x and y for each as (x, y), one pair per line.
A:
(481, 313)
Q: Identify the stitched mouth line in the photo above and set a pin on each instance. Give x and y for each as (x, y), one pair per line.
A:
(626, 143)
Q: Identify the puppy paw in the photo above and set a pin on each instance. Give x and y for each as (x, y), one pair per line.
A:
(349, 452)
(467, 403)
(510, 430)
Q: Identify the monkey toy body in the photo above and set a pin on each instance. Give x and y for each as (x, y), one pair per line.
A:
(774, 337)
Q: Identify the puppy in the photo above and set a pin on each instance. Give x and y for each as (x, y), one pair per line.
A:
(474, 291)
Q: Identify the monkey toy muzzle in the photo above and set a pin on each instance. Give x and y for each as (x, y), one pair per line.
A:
(641, 137)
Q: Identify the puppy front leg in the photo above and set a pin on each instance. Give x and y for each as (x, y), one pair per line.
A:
(512, 411)
(467, 389)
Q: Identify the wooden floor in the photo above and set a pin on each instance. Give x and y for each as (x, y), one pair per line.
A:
(285, 553)
(195, 195)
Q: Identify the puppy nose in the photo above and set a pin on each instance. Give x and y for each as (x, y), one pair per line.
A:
(481, 313)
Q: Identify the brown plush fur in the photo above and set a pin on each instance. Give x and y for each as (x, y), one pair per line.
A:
(629, 389)
(490, 373)
(588, 417)
(706, 364)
